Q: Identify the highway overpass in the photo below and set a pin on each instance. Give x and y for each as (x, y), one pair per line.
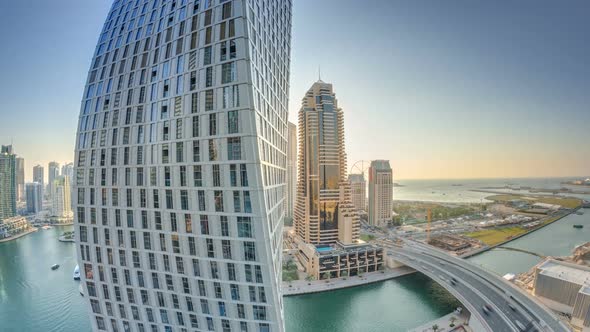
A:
(508, 308)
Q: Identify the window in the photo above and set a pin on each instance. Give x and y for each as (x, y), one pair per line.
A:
(232, 122)
(216, 176)
(234, 148)
(218, 196)
(198, 176)
(244, 227)
(212, 124)
(228, 72)
(204, 225)
(212, 150)
(209, 100)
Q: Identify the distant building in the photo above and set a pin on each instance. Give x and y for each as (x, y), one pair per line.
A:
(565, 287)
(20, 179)
(324, 213)
(358, 187)
(291, 170)
(52, 174)
(34, 195)
(39, 177)
(13, 226)
(380, 193)
(67, 171)
(7, 182)
(61, 205)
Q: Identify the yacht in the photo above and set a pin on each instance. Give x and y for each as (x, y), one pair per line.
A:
(77, 273)
(55, 266)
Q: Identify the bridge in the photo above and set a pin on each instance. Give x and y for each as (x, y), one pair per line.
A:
(523, 251)
(496, 304)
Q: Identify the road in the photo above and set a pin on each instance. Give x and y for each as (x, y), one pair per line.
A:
(476, 287)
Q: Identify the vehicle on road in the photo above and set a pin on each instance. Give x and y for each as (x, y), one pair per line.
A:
(485, 310)
(520, 325)
(511, 306)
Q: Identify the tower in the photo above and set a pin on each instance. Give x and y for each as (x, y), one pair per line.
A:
(358, 187)
(180, 165)
(34, 198)
(52, 174)
(380, 193)
(7, 182)
(291, 170)
(324, 212)
(20, 179)
(39, 177)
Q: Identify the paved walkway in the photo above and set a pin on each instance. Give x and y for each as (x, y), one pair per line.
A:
(300, 287)
(444, 322)
(31, 230)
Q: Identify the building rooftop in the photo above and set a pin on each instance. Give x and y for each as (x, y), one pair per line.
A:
(566, 271)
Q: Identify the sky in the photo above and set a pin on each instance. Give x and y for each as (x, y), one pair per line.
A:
(442, 89)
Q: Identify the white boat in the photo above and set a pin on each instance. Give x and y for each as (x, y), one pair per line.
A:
(77, 273)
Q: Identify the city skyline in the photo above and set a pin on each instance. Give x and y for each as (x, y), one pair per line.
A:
(522, 86)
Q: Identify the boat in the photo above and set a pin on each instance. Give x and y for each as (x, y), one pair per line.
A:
(578, 226)
(55, 266)
(81, 290)
(77, 273)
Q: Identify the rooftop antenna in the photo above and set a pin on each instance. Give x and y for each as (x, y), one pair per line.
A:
(319, 72)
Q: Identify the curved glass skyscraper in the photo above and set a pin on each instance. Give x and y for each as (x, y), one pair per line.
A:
(180, 166)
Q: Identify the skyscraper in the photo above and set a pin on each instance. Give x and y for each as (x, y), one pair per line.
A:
(180, 164)
(358, 186)
(7, 182)
(20, 179)
(380, 193)
(291, 170)
(34, 198)
(39, 177)
(61, 206)
(324, 212)
(52, 174)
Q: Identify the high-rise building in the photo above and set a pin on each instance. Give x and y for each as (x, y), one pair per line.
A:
(61, 206)
(380, 193)
(34, 197)
(39, 177)
(180, 165)
(20, 179)
(7, 182)
(358, 186)
(52, 174)
(324, 212)
(291, 170)
(67, 170)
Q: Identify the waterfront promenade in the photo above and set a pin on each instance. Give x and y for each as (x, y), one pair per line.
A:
(27, 232)
(300, 287)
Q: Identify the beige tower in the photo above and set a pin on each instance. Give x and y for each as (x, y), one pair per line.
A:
(380, 193)
(324, 212)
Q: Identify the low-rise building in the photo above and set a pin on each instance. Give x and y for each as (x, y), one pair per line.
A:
(565, 287)
(13, 226)
(338, 260)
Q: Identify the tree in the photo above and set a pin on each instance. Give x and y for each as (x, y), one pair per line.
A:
(326, 275)
(435, 327)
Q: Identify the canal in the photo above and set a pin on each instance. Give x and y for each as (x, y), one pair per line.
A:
(34, 298)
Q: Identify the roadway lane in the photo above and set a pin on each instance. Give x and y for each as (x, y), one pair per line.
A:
(495, 298)
(473, 298)
(541, 314)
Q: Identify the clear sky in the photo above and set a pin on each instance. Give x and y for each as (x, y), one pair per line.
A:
(443, 89)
